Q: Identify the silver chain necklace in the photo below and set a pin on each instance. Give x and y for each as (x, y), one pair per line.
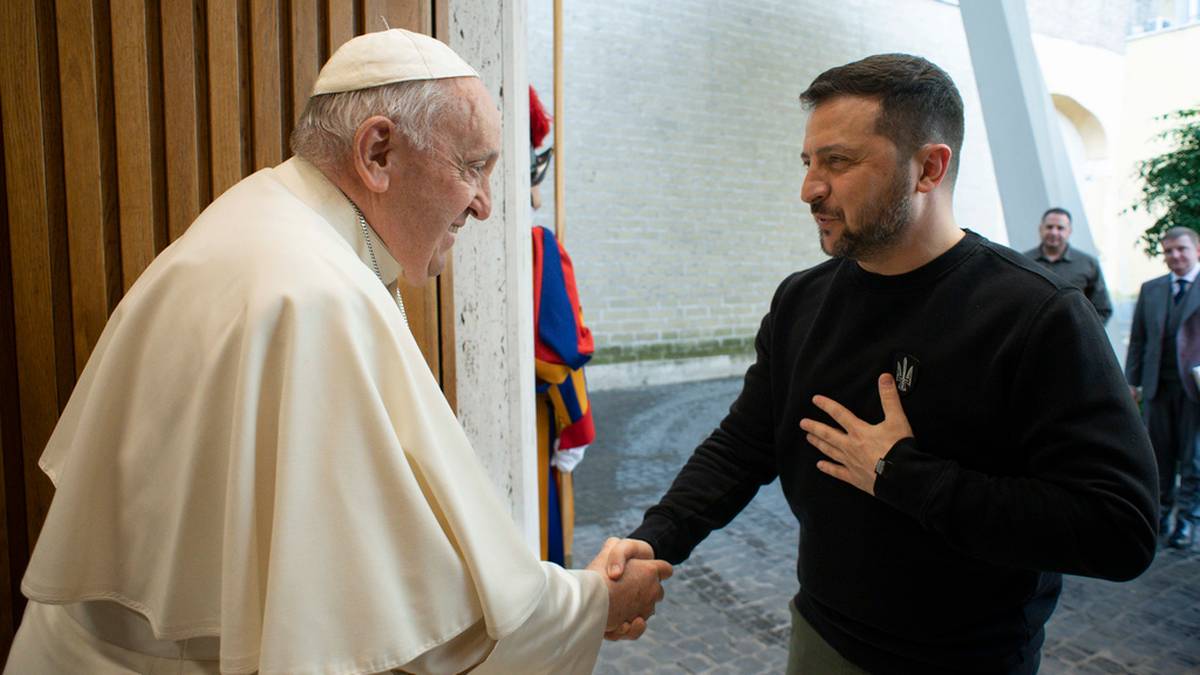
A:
(362, 222)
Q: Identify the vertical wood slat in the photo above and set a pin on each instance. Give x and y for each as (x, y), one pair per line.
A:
(8, 385)
(87, 161)
(441, 20)
(341, 23)
(374, 13)
(266, 91)
(305, 53)
(60, 271)
(41, 303)
(181, 115)
(14, 544)
(407, 14)
(420, 304)
(7, 620)
(12, 524)
(225, 95)
(447, 347)
(416, 16)
(138, 105)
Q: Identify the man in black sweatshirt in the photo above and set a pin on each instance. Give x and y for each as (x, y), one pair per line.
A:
(948, 421)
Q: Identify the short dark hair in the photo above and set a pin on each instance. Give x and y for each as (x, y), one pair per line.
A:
(919, 103)
(1180, 231)
(1057, 209)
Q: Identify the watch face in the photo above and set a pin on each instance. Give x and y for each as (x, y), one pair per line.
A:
(880, 466)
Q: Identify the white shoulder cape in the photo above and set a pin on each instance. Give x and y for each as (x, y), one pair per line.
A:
(256, 450)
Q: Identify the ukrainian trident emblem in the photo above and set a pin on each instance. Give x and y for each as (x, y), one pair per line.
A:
(905, 370)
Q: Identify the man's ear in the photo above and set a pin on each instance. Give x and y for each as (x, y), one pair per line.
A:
(369, 152)
(933, 162)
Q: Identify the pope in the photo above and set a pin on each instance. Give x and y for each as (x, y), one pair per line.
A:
(258, 473)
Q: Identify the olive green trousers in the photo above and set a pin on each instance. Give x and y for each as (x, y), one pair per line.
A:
(810, 654)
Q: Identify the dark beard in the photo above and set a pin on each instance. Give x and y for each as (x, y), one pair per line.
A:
(882, 224)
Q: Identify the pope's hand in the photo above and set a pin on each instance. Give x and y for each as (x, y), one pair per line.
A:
(857, 447)
(621, 551)
(634, 581)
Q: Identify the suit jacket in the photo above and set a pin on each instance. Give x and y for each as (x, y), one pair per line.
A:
(1146, 337)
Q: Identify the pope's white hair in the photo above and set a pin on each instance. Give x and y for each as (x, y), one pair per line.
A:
(325, 132)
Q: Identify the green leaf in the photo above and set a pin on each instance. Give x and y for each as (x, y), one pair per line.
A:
(1171, 181)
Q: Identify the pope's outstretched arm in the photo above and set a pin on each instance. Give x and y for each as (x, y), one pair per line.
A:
(579, 606)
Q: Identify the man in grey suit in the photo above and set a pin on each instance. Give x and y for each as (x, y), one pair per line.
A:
(1164, 350)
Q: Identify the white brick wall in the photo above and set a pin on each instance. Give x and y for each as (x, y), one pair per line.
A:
(1097, 23)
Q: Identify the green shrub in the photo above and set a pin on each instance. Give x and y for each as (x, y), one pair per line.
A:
(1171, 181)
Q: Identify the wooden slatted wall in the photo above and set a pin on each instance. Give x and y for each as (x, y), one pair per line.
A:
(121, 120)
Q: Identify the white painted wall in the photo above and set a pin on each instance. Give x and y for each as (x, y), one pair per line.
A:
(1094, 78)
(1161, 77)
(493, 271)
(1124, 91)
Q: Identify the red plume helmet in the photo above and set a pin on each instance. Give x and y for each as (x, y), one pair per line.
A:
(539, 121)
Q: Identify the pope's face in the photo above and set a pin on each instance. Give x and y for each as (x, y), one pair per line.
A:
(433, 191)
(855, 184)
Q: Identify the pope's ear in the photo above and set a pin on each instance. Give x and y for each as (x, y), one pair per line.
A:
(370, 152)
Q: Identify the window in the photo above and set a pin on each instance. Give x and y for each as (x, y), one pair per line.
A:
(1155, 15)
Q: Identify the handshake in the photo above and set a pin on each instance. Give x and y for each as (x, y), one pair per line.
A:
(634, 579)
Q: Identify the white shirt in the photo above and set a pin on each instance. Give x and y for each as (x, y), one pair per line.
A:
(1190, 276)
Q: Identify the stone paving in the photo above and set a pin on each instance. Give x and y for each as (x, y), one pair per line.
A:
(726, 607)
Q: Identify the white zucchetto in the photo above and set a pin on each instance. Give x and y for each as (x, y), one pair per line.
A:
(386, 57)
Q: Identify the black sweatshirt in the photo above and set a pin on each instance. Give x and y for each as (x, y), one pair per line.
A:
(1028, 459)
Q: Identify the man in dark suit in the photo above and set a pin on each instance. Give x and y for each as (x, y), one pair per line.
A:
(1161, 367)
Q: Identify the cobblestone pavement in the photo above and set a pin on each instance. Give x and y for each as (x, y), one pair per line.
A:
(726, 607)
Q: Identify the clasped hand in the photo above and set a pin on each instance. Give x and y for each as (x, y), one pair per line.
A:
(857, 447)
(634, 579)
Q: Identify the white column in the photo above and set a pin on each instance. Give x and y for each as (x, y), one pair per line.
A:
(493, 271)
(1033, 171)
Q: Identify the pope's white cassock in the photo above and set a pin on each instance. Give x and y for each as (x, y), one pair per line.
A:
(258, 472)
